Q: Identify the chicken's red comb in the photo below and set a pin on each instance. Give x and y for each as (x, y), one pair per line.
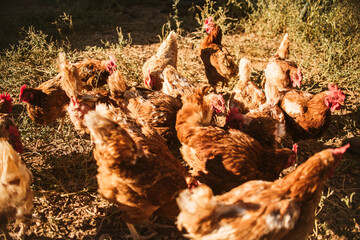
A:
(74, 101)
(295, 148)
(209, 20)
(111, 64)
(336, 93)
(149, 81)
(233, 114)
(22, 89)
(6, 97)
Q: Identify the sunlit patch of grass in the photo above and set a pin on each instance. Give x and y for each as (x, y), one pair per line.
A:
(326, 31)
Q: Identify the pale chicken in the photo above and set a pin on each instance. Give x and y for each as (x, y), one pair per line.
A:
(166, 55)
(15, 193)
(281, 75)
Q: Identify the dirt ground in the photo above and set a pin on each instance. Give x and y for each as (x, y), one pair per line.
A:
(67, 205)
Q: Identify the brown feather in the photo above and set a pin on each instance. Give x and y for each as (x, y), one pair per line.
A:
(284, 209)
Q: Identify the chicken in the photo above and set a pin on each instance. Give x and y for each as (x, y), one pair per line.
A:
(155, 108)
(154, 66)
(279, 210)
(266, 124)
(72, 84)
(174, 84)
(246, 95)
(15, 193)
(307, 115)
(250, 113)
(95, 73)
(8, 128)
(219, 64)
(136, 170)
(220, 158)
(281, 74)
(47, 102)
(5, 103)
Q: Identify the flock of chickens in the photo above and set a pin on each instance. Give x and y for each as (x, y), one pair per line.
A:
(227, 186)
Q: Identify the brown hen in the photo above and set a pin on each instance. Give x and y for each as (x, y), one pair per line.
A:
(219, 64)
(223, 159)
(284, 209)
(307, 115)
(47, 102)
(95, 73)
(136, 170)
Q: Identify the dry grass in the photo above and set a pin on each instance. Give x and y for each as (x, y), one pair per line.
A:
(66, 203)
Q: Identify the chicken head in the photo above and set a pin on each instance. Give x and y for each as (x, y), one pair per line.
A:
(335, 98)
(217, 103)
(111, 64)
(296, 78)
(25, 96)
(209, 24)
(234, 119)
(5, 103)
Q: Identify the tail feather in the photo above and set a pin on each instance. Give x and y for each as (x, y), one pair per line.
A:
(283, 51)
(169, 47)
(111, 136)
(194, 206)
(70, 80)
(244, 70)
(117, 83)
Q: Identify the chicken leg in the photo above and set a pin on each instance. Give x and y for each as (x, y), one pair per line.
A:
(5, 232)
(135, 235)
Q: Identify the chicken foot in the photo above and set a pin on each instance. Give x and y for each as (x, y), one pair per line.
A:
(61, 125)
(5, 232)
(135, 235)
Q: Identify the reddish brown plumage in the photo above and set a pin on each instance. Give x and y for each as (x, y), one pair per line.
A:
(156, 109)
(219, 64)
(45, 103)
(8, 128)
(175, 84)
(95, 73)
(136, 170)
(265, 124)
(5, 103)
(10, 132)
(222, 158)
(308, 116)
(284, 209)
